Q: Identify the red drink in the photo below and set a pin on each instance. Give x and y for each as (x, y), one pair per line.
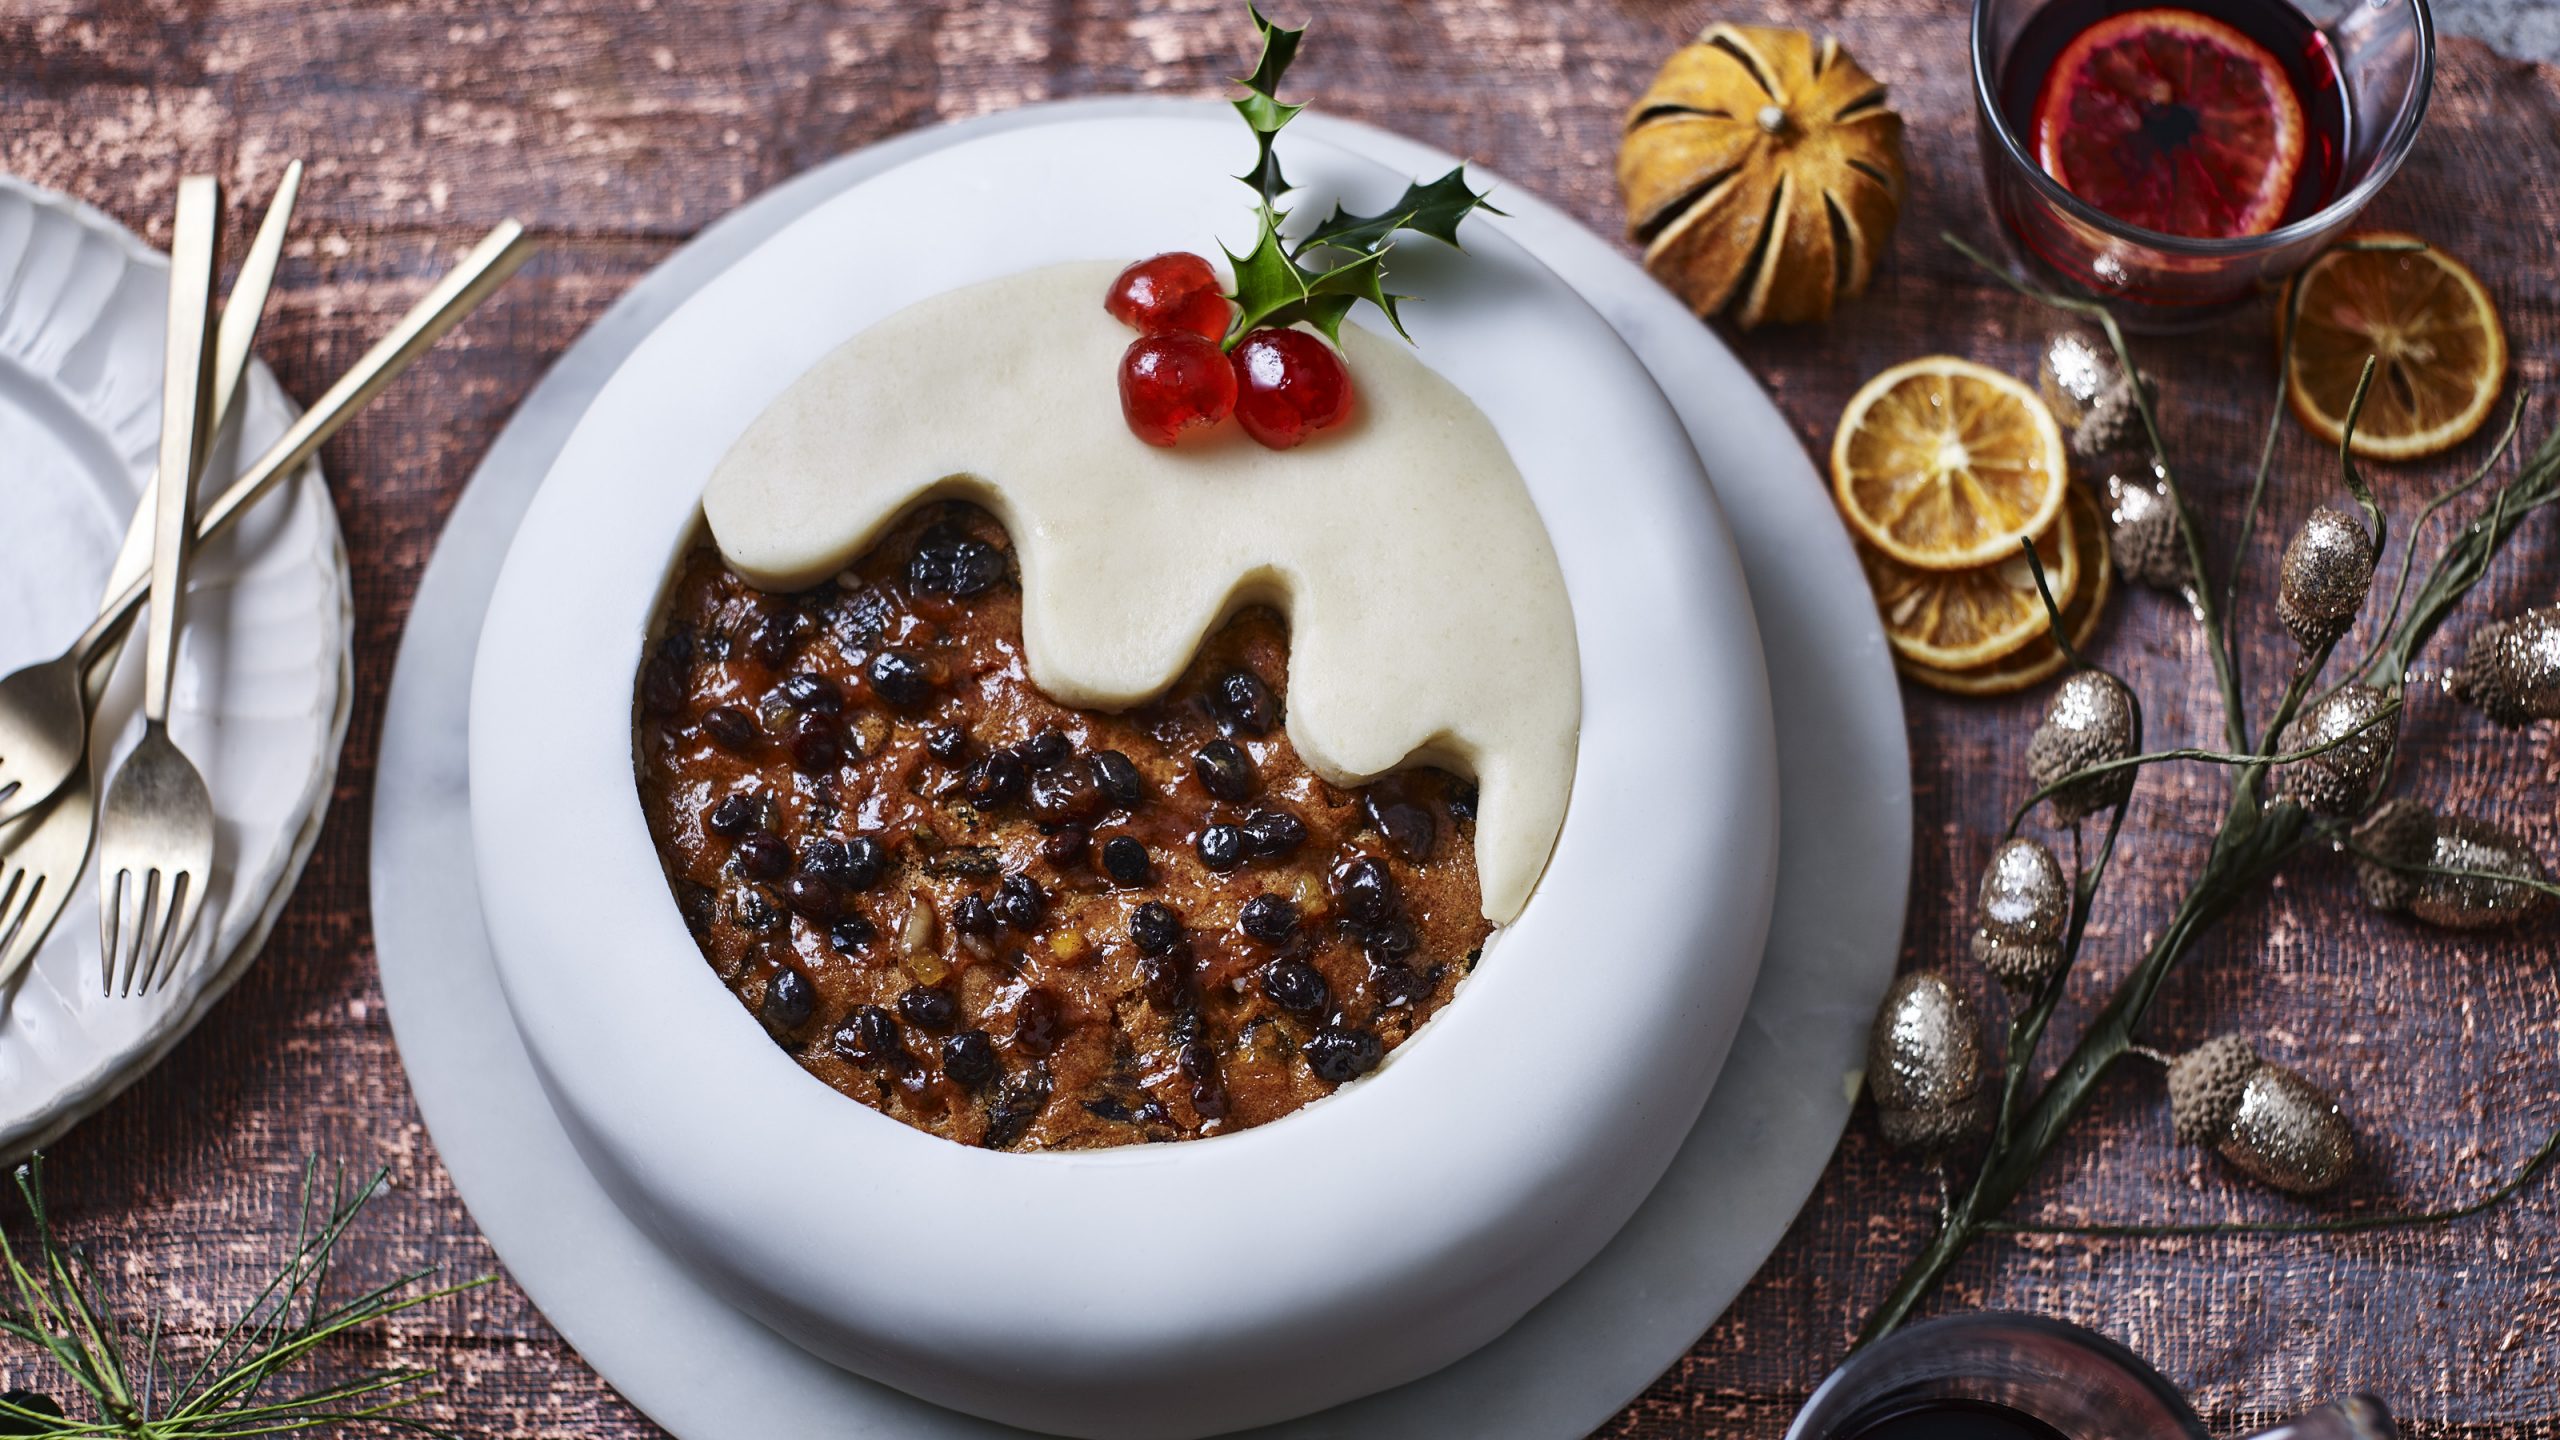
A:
(2161, 108)
(2175, 154)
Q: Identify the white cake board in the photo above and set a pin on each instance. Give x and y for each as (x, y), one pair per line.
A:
(707, 1372)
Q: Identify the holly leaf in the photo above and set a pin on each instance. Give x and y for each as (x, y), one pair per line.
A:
(1332, 294)
(1274, 283)
(1268, 283)
(1433, 209)
(1274, 289)
(1261, 108)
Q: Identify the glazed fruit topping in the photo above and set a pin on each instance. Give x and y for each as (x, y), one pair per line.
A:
(1244, 705)
(1368, 890)
(869, 1036)
(1273, 834)
(1297, 987)
(1338, 1054)
(732, 729)
(1156, 928)
(951, 561)
(789, 1001)
(969, 1059)
(900, 678)
(735, 815)
(1125, 860)
(1225, 770)
(1173, 291)
(763, 855)
(1289, 385)
(1268, 918)
(1118, 779)
(1284, 384)
(1221, 847)
(1172, 383)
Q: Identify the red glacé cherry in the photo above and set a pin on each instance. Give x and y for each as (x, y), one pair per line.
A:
(1289, 385)
(1173, 291)
(1172, 382)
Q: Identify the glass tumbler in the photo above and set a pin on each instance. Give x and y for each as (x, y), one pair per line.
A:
(2080, 1383)
(2384, 51)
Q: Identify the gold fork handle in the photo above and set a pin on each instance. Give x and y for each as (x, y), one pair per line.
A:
(186, 400)
(496, 257)
(240, 314)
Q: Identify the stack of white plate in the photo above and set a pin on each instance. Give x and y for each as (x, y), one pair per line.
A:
(264, 683)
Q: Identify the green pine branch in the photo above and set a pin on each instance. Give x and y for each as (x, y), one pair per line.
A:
(245, 1382)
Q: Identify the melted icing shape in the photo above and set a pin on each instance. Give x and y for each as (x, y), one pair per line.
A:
(1428, 617)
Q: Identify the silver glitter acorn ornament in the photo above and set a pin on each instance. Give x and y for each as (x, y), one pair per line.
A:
(2142, 533)
(2337, 780)
(2406, 833)
(1924, 1065)
(2263, 1118)
(2511, 669)
(2088, 394)
(2090, 720)
(2328, 568)
(2020, 914)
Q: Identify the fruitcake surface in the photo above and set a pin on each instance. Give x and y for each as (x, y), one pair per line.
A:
(1011, 922)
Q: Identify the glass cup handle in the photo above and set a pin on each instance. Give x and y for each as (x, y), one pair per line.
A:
(2357, 1417)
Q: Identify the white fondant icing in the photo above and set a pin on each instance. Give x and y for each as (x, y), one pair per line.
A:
(985, 1287)
(1428, 620)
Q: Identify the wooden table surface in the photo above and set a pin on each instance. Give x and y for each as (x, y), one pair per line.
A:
(618, 128)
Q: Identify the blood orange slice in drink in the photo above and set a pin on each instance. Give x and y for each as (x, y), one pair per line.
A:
(2172, 121)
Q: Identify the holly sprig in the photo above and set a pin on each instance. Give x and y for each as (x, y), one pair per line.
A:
(1322, 275)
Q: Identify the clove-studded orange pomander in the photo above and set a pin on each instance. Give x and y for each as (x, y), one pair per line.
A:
(1762, 174)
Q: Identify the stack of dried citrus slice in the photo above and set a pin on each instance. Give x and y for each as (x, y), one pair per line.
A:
(1941, 467)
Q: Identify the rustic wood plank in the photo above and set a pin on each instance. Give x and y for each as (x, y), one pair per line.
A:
(618, 129)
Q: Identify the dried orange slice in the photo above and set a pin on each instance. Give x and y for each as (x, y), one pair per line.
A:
(1958, 619)
(2039, 659)
(2172, 121)
(2424, 316)
(1943, 464)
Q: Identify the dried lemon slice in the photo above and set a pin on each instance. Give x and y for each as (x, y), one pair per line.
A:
(2040, 658)
(2423, 315)
(1958, 619)
(1943, 464)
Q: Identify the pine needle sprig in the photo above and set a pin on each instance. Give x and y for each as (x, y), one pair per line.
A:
(1321, 276)
(242, 1384)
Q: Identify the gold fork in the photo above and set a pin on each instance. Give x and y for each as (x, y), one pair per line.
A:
(498, 255)
(155, 825)
(43, 852)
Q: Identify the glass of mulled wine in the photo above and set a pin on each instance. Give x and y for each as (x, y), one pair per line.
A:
(1995, 1376)
(2171, 159)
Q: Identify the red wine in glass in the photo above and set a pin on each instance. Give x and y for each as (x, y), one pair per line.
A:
(2211, 119)
(2173, 158)
(1947, 1419)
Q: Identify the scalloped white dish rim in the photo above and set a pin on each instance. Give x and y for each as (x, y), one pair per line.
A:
(1516, 1156)
(84, 1049)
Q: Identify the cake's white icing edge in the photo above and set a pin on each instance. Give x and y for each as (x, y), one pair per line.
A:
(1428, 618)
